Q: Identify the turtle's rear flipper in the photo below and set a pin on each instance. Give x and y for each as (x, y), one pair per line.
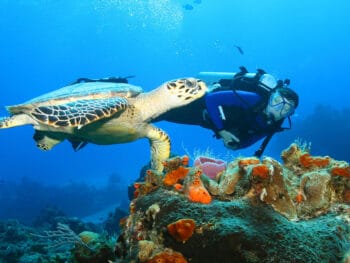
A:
(78, 145)
(160, 146)
(15, 120)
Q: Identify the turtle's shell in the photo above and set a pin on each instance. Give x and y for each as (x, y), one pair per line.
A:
(78, 104)
(88, 90)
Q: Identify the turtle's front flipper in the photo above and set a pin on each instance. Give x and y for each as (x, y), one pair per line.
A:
(46, 140)
(160, 146)
(78, 113)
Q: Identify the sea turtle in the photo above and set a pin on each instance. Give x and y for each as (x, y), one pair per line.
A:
(104, 113)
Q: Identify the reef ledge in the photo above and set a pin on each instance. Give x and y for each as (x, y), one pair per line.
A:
(254, 211)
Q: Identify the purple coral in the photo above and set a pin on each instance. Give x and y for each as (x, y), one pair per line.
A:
(211, 167)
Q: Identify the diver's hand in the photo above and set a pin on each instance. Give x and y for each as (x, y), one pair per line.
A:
(230, 140)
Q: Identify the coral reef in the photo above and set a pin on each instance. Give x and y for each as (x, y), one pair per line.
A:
(111, 224)
(253, 211)
(54, 238)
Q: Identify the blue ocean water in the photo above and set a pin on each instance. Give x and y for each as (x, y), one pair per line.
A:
(46, 44)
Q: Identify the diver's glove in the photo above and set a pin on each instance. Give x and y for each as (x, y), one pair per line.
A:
(230, 140)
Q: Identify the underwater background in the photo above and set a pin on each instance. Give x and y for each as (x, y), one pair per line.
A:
(47, 44)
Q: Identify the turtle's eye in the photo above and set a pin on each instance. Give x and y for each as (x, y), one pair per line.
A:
(190, 83)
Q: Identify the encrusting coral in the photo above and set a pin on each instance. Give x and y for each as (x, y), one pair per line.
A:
(88, 237)
(175, 162)
(300, 188)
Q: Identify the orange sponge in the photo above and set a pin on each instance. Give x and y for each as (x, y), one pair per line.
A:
(300, 197)
(185, 160)
(261, 171)
(168, 256)
(308, 161)
(175, 162)
(346, 196)
(247, 161)
(341, 171)
(174, 176)
(178, 187)
(182, 229)
(199, 195)
(196, 192)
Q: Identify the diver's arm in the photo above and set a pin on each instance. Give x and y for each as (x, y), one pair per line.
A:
(250, 141)
(215, 100)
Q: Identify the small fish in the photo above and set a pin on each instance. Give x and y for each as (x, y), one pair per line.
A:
(187, 7)
(240, 50)
(197, 2)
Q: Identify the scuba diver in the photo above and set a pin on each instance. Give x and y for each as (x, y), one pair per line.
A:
(241, 108)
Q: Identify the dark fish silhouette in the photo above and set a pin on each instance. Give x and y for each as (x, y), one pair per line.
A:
(197, 1)
(240, 50)
(187, 7)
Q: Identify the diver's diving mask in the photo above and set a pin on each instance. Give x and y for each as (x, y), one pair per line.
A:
(279, 107)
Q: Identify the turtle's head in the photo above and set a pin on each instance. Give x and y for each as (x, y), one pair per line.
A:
(183, 91)
(170, 95)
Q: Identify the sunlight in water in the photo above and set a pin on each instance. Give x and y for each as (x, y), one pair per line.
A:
(164, 14)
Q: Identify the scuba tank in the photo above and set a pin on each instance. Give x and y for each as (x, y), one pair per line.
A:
(211, 78)
(242, 80)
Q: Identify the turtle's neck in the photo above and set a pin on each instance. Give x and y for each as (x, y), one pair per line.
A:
(153, 103)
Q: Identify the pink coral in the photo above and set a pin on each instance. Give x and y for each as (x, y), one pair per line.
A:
(211, 167)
